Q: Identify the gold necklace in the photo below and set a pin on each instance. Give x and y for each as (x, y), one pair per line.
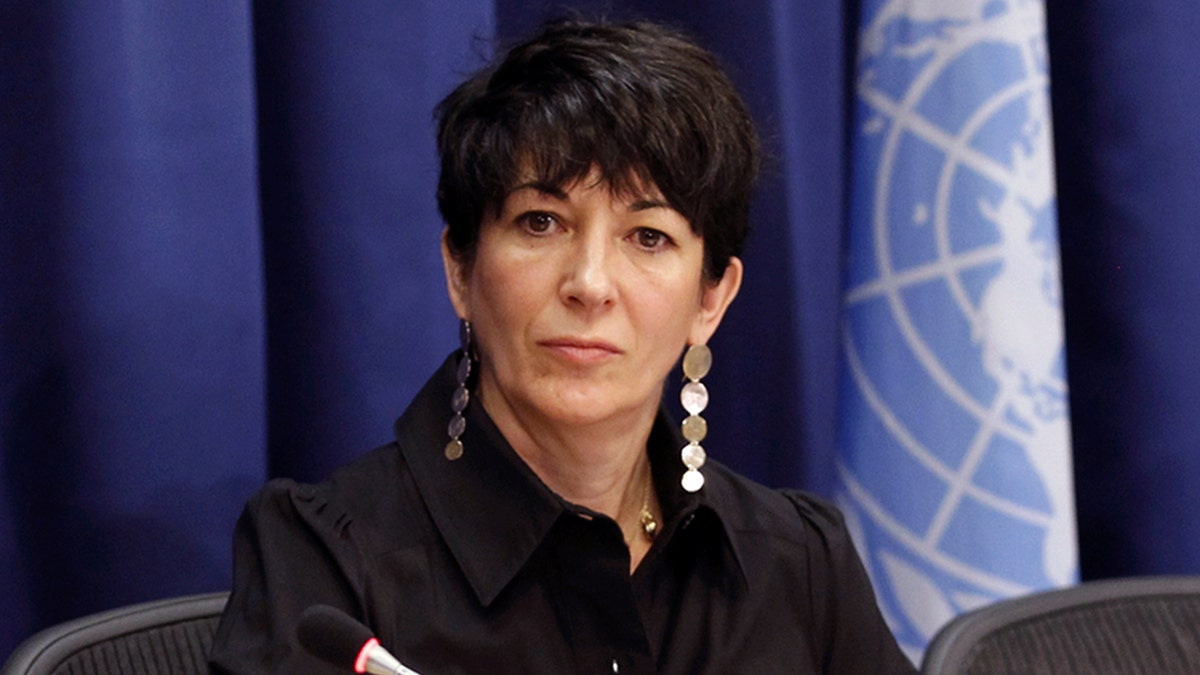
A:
(646, 516)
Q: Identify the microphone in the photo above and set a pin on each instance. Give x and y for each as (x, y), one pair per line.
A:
(334, 637)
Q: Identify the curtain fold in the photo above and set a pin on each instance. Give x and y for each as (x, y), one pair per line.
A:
(356, 307)
(132, 390)
(1129, 162)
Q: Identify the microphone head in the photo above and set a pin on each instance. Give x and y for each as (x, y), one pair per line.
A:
(332, 635)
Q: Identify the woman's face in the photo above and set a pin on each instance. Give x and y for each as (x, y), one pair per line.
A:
(581, 301)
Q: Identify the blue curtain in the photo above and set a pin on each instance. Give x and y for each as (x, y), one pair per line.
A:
(218, 264)
(1125, 91)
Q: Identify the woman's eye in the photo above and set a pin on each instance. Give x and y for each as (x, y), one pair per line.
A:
(651, 239)
(537, 222)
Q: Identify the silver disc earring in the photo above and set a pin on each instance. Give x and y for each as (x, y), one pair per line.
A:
(694, 397)
(461, 396)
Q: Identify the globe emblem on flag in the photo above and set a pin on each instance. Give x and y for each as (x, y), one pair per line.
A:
(955, 476)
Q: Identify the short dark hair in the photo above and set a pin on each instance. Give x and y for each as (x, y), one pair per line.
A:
(637, 101)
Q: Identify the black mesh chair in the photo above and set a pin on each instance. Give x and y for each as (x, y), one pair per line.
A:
(154, 638)
(1136, 625)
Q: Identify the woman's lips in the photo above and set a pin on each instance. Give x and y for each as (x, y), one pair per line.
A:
(581, 350)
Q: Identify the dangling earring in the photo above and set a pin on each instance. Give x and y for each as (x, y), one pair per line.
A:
(694, 397)
(461, 396)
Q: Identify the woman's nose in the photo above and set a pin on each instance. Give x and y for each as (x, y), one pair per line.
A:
(588, 279)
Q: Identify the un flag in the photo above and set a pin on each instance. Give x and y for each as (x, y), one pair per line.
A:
(955, 470)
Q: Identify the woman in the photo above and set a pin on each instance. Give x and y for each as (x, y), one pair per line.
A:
(595, 184)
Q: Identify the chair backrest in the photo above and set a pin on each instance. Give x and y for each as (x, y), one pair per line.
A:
(154, 638)
(1135, 625)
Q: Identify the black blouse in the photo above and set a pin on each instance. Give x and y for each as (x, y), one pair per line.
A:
(475, 566)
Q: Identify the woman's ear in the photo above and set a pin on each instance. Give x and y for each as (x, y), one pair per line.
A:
(714, 300)
(456, 278)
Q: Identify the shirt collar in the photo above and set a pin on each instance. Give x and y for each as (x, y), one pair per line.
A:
(493, 511)
(713, 505)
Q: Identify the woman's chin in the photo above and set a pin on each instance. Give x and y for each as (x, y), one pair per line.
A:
(586, 406)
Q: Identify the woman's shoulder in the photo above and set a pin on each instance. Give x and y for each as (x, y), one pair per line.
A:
(362, 500)
(794, 541)
(750, 507)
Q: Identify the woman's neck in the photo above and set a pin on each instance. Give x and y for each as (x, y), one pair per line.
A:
(602, 466)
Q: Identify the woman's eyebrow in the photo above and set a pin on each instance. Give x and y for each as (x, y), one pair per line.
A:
(643, 204)
(542, 187)
(556, 192)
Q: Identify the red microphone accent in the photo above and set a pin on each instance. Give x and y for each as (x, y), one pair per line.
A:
(364, 655)
(332, 636)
